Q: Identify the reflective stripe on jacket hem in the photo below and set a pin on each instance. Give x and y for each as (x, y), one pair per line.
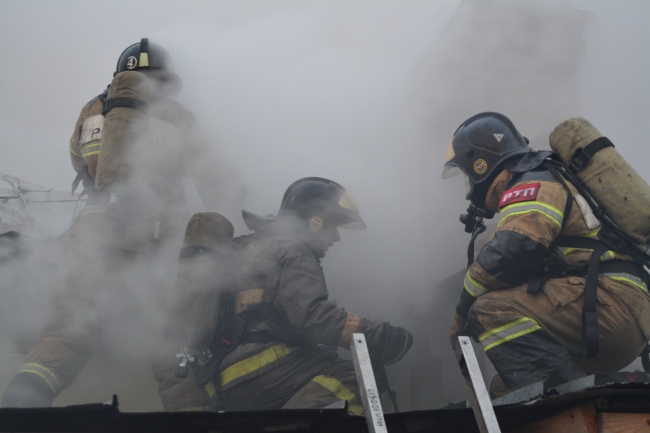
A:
(626, 278)
(255, 362)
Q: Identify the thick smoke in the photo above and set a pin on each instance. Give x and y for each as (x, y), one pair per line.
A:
(363, 93)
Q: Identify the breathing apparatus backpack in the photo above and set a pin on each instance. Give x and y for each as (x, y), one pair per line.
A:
(203, 283)
(619, 199)
(616, 193)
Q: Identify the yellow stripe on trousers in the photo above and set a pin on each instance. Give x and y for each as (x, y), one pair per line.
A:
(250, 365)
(340, 391)
(507, 332)
(45, 374)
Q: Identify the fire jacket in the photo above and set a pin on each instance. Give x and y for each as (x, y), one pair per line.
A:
(532, 207)
(177, 147)
(281, 293)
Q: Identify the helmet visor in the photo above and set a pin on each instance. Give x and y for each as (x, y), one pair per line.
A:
(452, 171)
(352, 219)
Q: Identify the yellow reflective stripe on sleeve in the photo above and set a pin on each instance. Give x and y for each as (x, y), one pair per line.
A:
(209, 388)
(627, 278)
(255, 362)
(473, 287)
(96, 152)
(72, 151)
(340, 391)
(548, 211)
(508, 332)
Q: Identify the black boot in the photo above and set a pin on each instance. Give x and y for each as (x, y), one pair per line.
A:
(27, 390)
(566, 372)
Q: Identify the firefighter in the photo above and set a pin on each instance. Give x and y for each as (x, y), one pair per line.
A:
(119, 244)
(285, 353)
(523, 296)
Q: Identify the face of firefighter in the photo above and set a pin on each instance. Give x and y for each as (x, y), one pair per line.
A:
(330, 235)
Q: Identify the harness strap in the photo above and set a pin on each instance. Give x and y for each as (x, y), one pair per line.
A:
(589, 315)
(581, 157)
(109, 104)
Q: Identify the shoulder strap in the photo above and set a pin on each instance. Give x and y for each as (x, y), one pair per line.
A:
(100, 97)
(569, 201)
(589, 315)
(109, 104)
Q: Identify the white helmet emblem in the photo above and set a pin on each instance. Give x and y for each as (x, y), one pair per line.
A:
(132, 62)
(498, 137)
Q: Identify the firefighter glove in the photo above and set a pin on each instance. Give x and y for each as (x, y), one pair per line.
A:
(394, 343)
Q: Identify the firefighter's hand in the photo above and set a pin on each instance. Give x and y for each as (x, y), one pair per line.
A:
(394, 343)
(458, 328)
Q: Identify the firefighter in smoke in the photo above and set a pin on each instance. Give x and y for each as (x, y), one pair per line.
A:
(130, 147)
(523, 296)
(278, 333)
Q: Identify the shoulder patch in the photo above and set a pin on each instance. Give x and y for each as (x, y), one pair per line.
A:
(526, 192)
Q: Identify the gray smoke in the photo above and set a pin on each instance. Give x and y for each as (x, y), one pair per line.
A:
(367, 94)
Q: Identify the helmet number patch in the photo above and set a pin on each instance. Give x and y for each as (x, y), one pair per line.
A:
(316, 223)
(480, 166)
(498, 137)
(131, 62)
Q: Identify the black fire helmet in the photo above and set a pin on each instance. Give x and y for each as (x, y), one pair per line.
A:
(480, 146)
(319, 200)
(147, 56)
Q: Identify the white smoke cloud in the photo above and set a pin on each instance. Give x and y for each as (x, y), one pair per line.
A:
(289, 89)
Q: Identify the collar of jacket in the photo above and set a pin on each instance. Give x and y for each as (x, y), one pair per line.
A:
(286, 225)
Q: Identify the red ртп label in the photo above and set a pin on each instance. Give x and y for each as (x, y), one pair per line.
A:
(519, 193)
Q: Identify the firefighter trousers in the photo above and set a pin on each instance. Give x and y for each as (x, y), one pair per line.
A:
(311, 380)
(530, 337)
(93, 287)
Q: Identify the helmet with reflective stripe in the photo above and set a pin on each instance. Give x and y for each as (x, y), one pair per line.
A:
(480, 146)
(145, 56)
(320, 201)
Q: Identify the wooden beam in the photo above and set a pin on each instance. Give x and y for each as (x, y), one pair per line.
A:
(578, 420)
(624, 422)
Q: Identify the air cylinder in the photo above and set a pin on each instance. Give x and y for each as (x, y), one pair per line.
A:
(617, 188)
